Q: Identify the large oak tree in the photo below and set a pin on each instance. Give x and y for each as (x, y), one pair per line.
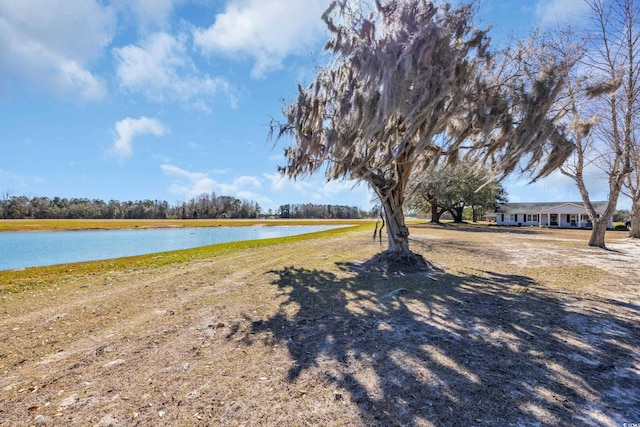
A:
(452, 188)
(411, 82)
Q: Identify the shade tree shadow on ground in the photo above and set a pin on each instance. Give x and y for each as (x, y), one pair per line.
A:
(444, 349)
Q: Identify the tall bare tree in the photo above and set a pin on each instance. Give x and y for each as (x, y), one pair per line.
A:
(605, 104)
(411, 82)
(633, 184)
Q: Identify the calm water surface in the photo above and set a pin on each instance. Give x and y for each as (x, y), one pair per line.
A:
(32, 249)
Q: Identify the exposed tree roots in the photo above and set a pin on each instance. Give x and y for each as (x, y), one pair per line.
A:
(394, 262)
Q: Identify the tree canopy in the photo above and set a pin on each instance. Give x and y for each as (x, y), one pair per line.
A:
(452, 188)
(412, 82)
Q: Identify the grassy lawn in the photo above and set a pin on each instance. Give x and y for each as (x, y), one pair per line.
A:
(521, 326)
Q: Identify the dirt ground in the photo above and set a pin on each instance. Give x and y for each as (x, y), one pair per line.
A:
(523, 327)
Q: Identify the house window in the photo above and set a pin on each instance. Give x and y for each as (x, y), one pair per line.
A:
(532, 218)
(513, 217)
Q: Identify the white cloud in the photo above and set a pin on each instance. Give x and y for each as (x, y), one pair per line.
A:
(269, 190)
(266, 30)
(261, 199)
(41, 45)
(129, 128)
(161, 69)
(192, 184)
(248, 181)
(317, 190)
(560, 11)
(8, 182)
(280, 183)
(150, 13)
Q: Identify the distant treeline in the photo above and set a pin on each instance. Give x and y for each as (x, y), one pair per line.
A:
(204, 206)
(310, 210)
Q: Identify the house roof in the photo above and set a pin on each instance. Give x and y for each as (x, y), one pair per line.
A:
(536, 207)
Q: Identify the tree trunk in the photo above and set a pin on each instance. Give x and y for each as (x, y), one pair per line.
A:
(397, 231)
(599, 224)
(635, 222)
(598, 232)
(457, 214)
(435, 213)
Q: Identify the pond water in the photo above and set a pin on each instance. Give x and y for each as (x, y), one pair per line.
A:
(32, 249)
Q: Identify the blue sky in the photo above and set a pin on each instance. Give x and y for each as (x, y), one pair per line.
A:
(168, 99)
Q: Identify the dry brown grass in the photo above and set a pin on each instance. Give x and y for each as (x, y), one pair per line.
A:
(523, 327)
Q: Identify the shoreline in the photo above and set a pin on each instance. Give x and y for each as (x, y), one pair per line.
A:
(14, 280)
(26, 225)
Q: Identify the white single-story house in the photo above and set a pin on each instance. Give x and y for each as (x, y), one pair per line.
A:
(547, 214)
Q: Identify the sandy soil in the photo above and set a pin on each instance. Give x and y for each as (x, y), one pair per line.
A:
(514, 327)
